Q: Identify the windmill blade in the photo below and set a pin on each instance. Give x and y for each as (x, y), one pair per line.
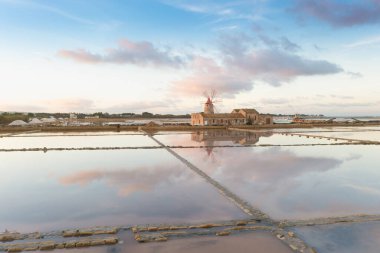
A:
(213, 94)
(216, 109)
(217, 100)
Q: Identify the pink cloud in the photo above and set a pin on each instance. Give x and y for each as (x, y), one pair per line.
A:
(127, 52)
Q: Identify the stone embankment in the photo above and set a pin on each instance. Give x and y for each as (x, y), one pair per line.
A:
(16, 242)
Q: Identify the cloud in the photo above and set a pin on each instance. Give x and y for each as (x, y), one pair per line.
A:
(339, 13)
(243, 62)
(207, 74)
(220, 10)
(127, 52)
(276, 67)
(274, 101)
(288, 45)
(354, 74)
(365, 42)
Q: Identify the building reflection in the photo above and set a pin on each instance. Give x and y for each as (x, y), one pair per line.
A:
(211, 138)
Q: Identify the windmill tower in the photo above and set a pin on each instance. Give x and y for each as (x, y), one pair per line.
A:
(209, 107)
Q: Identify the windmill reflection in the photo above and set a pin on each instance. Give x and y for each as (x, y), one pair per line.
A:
(214, 138)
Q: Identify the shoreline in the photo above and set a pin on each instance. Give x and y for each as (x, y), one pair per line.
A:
(17, 129)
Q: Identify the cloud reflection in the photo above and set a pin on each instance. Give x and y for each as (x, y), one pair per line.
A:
(126, 181)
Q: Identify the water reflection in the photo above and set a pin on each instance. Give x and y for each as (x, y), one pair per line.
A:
(89, 188)
(343, 238)
(213, 138)
(298, 182)
(76, 141)
(209, 138)
(242, 243)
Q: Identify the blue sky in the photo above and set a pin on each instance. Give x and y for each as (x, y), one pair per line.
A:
(295, 56)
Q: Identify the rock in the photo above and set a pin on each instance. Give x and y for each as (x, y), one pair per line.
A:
(35, 248)
(163, 228)
(291, 234)
(223, 233)
(70, 244)
(70, 233)
(139, 238)
(177, 227)
(293, 247)
(60, 245)
(8, 237)
(241, 223)
(107, 231)
(152, 229)
(15, 249)
(47, 245)
(281, 237)
(85, 243)
(97, 242)
(85, 233)
(206, 226)
(238, 228)
(111, 240)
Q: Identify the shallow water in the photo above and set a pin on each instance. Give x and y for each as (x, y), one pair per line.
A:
(297, 182)
(257, 242)
(56, 190)
(76, 189)
(343, 238)
(236, 138)
(78, 141)
(357, 135)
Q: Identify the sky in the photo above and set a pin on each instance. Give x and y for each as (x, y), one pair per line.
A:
(290, 56)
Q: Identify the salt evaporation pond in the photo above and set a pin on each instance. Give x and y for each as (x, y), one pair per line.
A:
(56, 190)
(77, 141)
(343, 238)
(237, 138)
(148, 185)
(297, 182)
(257, 242)
(357, 135)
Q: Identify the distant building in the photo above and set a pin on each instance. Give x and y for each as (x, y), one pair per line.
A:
(236, 117)
(92, 117)
(73, 116)
(217, 119)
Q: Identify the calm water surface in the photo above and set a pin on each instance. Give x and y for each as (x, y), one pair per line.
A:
(297, 182)
(343, 238)
(55, 190)
(256, 242)
(79, 141)
(236, 138)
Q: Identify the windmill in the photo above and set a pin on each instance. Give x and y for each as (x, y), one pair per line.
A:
(212, 99)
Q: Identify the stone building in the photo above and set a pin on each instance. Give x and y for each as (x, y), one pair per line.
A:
(236, 117)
